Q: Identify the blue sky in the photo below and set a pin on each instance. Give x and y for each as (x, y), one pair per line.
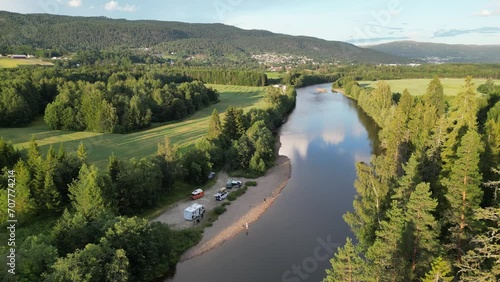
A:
(358, 22)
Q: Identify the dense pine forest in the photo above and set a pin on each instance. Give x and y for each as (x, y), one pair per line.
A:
(426, 208)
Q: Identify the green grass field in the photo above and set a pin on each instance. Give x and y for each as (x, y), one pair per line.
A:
(274, 75)
(12, 63)
(138, 144)
(451, 86)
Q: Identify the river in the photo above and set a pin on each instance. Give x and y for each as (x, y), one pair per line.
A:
(293, 241)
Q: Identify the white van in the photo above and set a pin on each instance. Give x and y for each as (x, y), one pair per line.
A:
(221, 195)
(194, 211)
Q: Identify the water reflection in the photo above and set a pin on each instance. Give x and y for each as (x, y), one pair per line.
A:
(324, 137)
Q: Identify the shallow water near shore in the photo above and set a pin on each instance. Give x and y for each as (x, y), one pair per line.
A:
(295, 238)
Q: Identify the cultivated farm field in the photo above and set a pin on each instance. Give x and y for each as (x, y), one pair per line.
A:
(12, 63)
(138, 144)
(451, 86)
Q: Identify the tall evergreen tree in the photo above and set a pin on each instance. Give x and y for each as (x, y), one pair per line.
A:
(482, 263)
(81, 153)
(368, 205)
(395, 135)
(33, 154)
(410, 180)
(347, 265)
(423, 229)
(86, 193)
(386, 254)
(8, 155)
(439, 271)
(38, 185)
(24, 200)
(464, 193)
(214, 126)
(233, 127)
(435, 96)
(51, 197)
(461, 118)
(169, 156)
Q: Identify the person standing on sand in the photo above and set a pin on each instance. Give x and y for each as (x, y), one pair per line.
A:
(246, 226)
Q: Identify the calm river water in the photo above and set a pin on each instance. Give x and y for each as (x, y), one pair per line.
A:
(293, 241)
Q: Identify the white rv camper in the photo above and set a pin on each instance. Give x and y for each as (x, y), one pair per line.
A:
(194, 211)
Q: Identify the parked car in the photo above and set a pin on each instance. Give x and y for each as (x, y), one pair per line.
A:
(194, 211)
(196, 194)
(222, 194)
(233, 183)
(211, 175)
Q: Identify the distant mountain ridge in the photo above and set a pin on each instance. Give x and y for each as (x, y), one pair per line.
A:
(78, 33)
(441, 52)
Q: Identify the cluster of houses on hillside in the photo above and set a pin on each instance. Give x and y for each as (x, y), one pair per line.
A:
(281, 62)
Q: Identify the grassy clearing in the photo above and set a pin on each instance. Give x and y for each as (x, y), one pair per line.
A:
(274, 75)
(13, 63)
(138, 144)
(452, 86)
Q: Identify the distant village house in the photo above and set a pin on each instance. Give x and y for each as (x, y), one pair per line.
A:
(19, 57)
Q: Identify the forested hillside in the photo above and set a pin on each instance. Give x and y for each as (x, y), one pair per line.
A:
(73, 34)
(441, 52)
(426, 208)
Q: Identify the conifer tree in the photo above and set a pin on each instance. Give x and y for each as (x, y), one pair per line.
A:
(24, 201)
(461, 118)
(233, 127)
(423, 228)
(81, 153)
(86, 193)
(386, 254)
(482, 263)
(434, 96)
(51, 197)
(214, 126)
(33, 154)
(410, 180)
(347, 264)
(61, 153)
(464, 193)
(368, 205)
(38, 185)
(439, 271)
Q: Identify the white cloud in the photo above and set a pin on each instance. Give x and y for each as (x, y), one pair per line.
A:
(485, 13)
(75, 3)
(115, 6)
(493, 8)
